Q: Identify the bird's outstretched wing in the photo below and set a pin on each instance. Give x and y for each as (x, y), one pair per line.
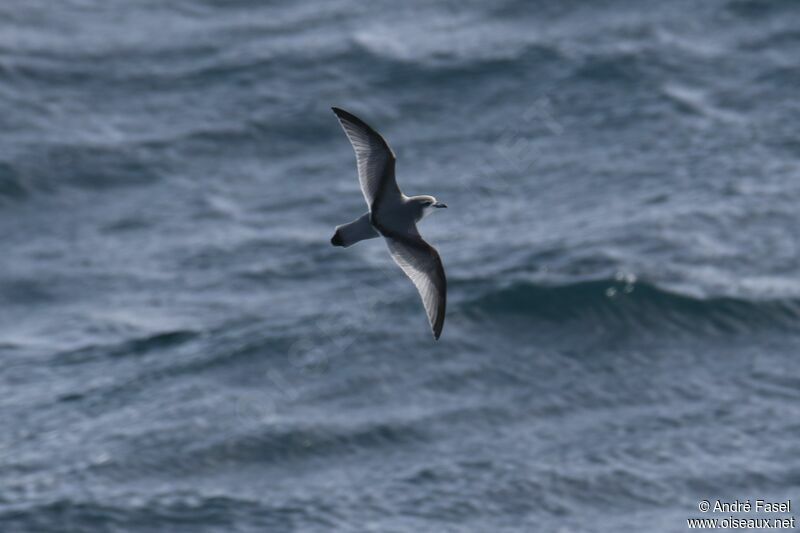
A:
(374, 158)
(421, 262)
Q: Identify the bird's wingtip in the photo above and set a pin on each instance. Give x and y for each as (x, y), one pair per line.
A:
(343, 114)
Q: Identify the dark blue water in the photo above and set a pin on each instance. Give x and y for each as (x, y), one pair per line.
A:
(182, 350)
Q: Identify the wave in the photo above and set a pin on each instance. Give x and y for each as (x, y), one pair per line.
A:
(131, 347)
(48, 169)
(750, 9)
(11, 186)
(635, 303)
(281, 444)
(452, 60)
(162, 511)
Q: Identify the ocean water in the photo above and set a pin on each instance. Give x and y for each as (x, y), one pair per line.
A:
(182, 350)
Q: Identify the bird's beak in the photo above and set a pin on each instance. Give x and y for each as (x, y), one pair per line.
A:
(439, 204)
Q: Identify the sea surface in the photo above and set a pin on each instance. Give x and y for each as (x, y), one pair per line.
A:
(182, 350)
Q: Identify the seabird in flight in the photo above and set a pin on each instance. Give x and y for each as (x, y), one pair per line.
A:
(393, 216)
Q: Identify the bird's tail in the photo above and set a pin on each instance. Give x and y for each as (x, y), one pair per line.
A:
(353, 232)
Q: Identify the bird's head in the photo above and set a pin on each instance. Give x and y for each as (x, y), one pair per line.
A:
(427, 204)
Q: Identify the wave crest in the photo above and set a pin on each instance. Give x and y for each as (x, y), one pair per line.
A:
(634, 303)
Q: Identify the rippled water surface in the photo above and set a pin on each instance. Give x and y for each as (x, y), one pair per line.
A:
(183, 350)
